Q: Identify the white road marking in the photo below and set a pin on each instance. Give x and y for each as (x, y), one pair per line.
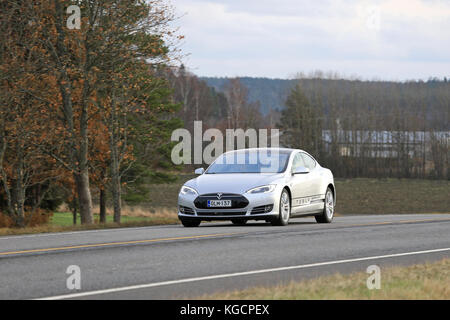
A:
(236, 274)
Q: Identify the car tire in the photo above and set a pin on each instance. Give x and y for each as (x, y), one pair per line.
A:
(284, 210)
(238, 222)
(328, 209)
(190, 223)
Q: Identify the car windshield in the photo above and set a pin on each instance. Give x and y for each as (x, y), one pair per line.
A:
(255, 161)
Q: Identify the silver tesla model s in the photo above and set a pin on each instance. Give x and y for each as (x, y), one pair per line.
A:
(271, 184)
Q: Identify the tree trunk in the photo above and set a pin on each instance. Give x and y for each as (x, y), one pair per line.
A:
(116, 190)
(102, 206)
(84, 196)
(114, 164)
(20, 190)
(74, 214)
(20, 210)
(117, 198)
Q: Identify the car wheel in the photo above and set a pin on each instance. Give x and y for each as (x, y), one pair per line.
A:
(284, 210)
(239, 222)
(190, 223)
(328, 210)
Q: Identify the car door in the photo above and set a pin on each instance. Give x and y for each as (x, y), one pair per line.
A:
(300, 185)
(314, 186)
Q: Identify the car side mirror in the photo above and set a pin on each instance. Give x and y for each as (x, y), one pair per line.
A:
(301, 170)
(199, 171)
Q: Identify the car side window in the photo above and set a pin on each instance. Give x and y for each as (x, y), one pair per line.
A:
(297, 162)
(310, 163)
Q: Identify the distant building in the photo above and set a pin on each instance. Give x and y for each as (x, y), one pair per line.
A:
(383, 144)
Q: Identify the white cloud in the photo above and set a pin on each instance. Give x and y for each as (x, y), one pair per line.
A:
(410, 39)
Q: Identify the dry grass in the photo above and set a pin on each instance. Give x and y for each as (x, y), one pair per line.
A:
(136, 216)
(53, 228)
(422, 281)
(149, 219)
(132, 211)
(138, 211)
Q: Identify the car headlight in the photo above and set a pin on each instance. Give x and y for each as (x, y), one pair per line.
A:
(262, 189)
(188, 191)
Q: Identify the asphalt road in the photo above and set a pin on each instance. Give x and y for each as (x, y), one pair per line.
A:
(165, 262)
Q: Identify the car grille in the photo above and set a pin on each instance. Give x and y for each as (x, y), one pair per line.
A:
(220, 213)
(262, 209)
(237, 201)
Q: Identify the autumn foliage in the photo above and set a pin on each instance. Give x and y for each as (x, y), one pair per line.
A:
(68, 99)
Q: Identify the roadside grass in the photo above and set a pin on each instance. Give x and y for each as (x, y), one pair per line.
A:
(421, 281)
(63, 221)
(130, 215)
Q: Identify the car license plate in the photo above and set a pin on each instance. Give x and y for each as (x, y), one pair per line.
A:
(219, 203)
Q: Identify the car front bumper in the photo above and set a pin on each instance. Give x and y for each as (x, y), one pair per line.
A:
(260, 207)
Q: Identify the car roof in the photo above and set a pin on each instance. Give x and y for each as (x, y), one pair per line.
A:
(283, 150)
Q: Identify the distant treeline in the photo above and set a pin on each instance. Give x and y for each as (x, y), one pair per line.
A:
(356, 128)
(359, 96)
(270, 93)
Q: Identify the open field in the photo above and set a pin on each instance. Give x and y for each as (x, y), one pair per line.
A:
(421, 281)
(392, 196)
(355, 196)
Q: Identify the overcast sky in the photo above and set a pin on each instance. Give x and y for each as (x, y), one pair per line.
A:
(384, 39)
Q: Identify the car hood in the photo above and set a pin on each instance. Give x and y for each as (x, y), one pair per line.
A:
(231, 182)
